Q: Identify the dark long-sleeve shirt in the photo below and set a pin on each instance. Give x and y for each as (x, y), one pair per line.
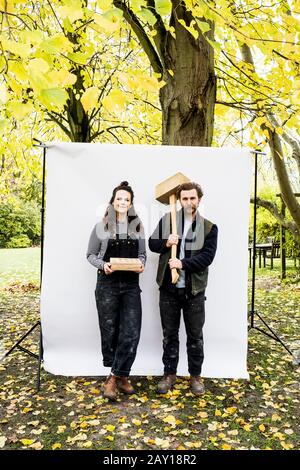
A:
(191, 264)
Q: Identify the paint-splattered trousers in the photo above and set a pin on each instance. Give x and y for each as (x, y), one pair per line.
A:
(120, 312)
(193, 308)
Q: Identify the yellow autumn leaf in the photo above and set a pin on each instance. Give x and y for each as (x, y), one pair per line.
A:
(247, 427)
(89, 98)
(94, 422)
(78, 57)
(26, 442)
(19, 111)
(226, 447)
(193, 445)
(7, 5)
(17, 48)
(115, 101)
(190, 28)
(3, 440)
(276, 417)
(137, 422)
(57, 445)
(62, 78)
(56, 44)
(163, 443)
(110, 427)
(36, 446)
(38, 65)
(61, 429)
(153, 85)
(163, 7)
(72, 12)
(218, 413)
(203, 414)
(234, 432)
(151, 441)
(109, 438)
(104, 4)
(54, 98)
(88, 444)
(170, 419)
(18, 69)
(286, 445)
(262, 428)
(231, 410)
(109, 21)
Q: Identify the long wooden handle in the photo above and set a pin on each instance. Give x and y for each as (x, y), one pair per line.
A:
(172, 200)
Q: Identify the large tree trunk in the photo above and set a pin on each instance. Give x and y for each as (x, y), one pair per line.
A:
(76, 115)
(186, 64)
(189, 96)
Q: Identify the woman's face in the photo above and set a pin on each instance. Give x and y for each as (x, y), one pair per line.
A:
(122, 201)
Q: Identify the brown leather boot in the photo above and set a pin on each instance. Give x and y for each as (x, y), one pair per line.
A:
(110, 388)
(125, 386)
(197, 385)
(166, 383)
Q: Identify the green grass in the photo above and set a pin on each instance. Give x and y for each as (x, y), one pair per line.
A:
(19, 265)
(22, 265)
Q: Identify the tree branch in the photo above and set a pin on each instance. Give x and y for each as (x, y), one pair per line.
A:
(273, 209)
(145, 42)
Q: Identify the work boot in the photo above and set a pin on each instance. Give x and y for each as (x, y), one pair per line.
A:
(197, 385)
(125, 386)
(166, 383)
(110, 388)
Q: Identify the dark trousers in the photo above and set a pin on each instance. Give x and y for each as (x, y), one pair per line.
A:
(171, 303)
(120, 312)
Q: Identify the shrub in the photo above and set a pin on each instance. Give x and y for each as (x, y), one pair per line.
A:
(19, 241)
(19, 218)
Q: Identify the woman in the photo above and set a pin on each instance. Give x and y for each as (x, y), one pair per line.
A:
(119, 235)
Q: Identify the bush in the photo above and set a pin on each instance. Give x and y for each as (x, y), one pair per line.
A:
(19, 219)
(19, 241)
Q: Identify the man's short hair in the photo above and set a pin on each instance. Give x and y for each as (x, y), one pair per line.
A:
(188, 187)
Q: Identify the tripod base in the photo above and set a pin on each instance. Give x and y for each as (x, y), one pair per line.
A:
(272, 334)
(39, 357)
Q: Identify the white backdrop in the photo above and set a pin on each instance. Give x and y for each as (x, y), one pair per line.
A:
(80, 179)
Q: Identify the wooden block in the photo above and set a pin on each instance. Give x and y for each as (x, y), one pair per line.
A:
(125, 264)
(169, 186)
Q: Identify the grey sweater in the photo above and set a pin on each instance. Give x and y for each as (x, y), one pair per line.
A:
(99, 240)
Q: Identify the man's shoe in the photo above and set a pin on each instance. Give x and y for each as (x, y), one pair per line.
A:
(197, 385)
(110, 388)
(125, 386)
(166, 383)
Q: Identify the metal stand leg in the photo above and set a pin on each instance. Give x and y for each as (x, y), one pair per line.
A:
(39, 357)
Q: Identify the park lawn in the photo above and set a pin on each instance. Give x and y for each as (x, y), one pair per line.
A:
(70, 413)
(19, 265)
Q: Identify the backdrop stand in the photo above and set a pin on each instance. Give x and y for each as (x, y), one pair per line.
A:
(253, 313)
(18, 345)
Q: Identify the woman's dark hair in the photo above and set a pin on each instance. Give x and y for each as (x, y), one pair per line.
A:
(124, 185)
(131, 214)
